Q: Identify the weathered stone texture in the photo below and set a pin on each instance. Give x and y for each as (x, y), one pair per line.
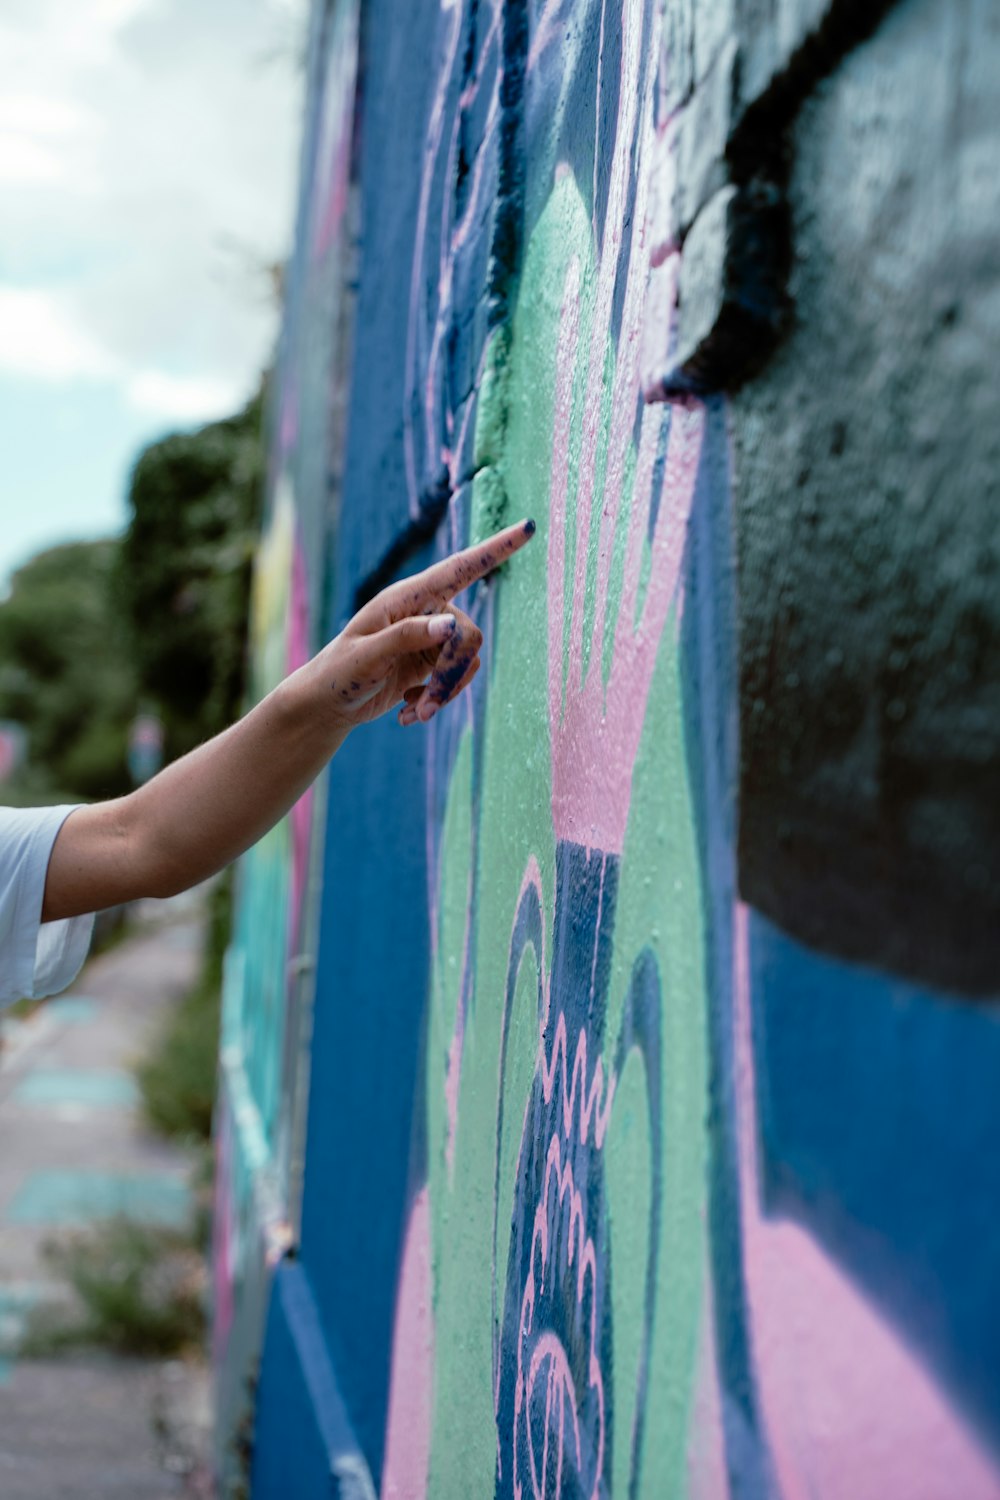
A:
(868, 497)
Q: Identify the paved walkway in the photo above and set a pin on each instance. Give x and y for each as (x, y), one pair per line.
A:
(72, 1150)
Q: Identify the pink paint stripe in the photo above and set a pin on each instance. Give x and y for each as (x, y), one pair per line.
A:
(431, 145)
(575, 1081)
(569, 333)
(850, 1412)
(408, 1428)
(706, 1448)
(546, 31)
(579, 1248)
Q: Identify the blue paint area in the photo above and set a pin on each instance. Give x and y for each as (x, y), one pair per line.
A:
(63, 1197)
(300, 1407)
(371, 987)
(880, 1134)
(72, 1008)
(586, 901)
(586, 889)
(401, 46)
(708, 653)
(99, 1090)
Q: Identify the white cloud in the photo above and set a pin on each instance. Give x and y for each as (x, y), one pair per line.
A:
(182, 399)
(41, 339)
(148, 151)
(26, 160)
(40, 114)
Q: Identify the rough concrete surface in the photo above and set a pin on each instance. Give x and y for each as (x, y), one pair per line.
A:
(867, 456)
(90, 1426)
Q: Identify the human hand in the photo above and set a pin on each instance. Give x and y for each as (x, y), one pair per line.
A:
(407, 644)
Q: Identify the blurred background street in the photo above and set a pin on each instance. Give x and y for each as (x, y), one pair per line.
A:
(83, 1411)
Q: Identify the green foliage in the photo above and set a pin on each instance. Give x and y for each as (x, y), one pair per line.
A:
(195, 503)
(93, 631)
(177, 1079)
(140, 1291)
(66, 674)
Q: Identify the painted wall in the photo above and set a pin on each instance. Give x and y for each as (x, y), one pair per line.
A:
(270, 965)
(620, 1175)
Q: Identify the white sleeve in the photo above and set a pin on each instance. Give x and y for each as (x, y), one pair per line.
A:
(36, 959)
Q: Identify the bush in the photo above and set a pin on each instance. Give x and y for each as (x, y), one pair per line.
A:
(140, 1289)
(177, 1080)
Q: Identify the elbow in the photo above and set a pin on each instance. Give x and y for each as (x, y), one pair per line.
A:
(155, 868)
(162, 883)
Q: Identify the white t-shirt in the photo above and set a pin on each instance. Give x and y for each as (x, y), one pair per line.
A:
(36, 958)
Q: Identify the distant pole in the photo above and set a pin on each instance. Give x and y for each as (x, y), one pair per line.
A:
(145, 747)
(13, 747)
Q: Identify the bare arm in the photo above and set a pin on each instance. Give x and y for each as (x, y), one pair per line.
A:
(201, 812)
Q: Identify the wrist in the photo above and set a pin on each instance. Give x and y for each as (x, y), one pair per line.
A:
(308, 709)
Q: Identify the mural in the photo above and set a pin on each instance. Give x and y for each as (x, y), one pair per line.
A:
(270, 963)
(611, 1187)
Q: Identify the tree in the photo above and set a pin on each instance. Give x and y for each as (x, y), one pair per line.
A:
(195, 503)
(66, 674)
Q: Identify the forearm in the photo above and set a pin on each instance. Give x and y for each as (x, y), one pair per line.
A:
(399, 651)
(198, 814)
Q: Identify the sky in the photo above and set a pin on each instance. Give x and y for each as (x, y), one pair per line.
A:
(148, 165)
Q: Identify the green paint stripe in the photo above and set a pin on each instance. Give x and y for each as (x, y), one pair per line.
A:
(54, 1086)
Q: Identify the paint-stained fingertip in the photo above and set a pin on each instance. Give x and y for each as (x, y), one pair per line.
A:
(440, 627)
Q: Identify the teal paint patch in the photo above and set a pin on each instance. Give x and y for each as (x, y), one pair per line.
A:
(98, 1090)
(72, 1008)
(15, 1301)
(60, 1197)
(15, 1304)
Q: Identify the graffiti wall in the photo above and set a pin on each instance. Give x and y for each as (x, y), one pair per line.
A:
(269, 969)
(625, 1172)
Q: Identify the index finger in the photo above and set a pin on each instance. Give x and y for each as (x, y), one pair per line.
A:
(453, 574)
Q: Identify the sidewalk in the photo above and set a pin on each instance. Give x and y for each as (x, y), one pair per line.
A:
(73, 1149)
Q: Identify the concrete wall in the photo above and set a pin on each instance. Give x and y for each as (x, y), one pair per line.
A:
(644, 1153)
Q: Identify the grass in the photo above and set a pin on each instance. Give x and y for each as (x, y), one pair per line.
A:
(22, 1009)
(139, 1291)
(177, 1079)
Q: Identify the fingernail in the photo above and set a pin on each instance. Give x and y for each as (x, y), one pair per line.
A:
(440, 627)
(426, 712)
(529, 528)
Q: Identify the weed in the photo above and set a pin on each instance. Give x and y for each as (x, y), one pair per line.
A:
(140, 1291)
(177, 1079)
